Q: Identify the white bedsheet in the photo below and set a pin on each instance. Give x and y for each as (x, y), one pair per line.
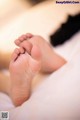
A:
(58, 95)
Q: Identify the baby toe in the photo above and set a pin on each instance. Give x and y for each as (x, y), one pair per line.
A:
(29, 35)
(15, 54)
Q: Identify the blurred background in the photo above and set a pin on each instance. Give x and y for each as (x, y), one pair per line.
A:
(40, 17)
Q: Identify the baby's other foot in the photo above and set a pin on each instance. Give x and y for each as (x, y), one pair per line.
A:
(23, 68)
(50, 60)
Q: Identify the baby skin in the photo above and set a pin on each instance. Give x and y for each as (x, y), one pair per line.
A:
(33, 55)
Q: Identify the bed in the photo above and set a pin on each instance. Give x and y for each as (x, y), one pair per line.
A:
(58, 95)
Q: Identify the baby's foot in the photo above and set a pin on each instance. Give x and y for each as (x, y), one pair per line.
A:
(50, 61)
(23, 68)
